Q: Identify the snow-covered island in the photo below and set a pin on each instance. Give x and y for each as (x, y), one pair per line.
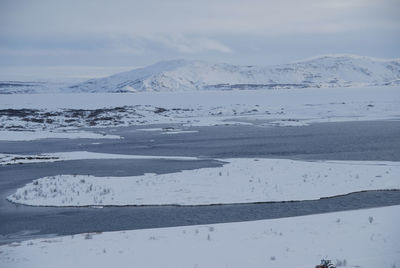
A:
(238, 181)
(11, 159)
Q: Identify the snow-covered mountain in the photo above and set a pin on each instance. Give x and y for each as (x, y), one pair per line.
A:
(181, 75)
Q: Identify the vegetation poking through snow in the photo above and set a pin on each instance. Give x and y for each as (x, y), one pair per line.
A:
(238, 181)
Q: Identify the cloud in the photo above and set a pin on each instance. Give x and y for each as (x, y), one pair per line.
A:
(184, 44)
(115, 49)
(142, 32)
(207, 17)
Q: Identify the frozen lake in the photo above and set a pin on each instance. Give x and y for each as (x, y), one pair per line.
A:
(339, 141)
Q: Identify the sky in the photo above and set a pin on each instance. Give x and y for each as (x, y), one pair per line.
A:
(103, 34)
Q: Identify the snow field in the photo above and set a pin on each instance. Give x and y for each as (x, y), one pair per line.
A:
(277, 107)
(9, 135)
(363, 238)
(238, 181)
(9, 159)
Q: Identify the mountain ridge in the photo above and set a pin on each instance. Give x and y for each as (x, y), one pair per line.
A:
(324, 71)
(338, 70)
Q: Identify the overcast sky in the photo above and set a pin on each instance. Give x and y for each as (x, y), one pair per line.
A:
(134, 33)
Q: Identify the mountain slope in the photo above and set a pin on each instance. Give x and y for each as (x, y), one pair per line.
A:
(181, 75)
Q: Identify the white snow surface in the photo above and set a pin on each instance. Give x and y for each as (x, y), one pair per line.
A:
(9, 135)
(179, 132)
(168, 131)
(363, 238)
(291, 107)
(35, 86)
(238, 181)
(9, 159)
(186, 75)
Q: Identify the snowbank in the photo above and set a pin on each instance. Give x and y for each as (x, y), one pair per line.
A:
(363, 238)
(7, 135)
(9, 159)
(239, 181)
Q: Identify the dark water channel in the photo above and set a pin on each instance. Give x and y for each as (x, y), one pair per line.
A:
(339, 141)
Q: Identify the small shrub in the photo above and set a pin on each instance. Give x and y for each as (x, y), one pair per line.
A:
(370, 219)
(340, 263)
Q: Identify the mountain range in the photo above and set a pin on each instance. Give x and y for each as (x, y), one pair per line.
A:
(188, 75)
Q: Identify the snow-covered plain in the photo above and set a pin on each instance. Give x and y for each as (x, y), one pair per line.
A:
(10, 135)
(10, 159)
(289, 107)
(238, 181)
(364, 238)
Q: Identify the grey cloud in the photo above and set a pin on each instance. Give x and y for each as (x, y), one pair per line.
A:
(122, 32)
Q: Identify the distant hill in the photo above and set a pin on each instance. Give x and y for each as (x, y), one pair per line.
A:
(186, 75)
(181, 75)
(13, 87)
